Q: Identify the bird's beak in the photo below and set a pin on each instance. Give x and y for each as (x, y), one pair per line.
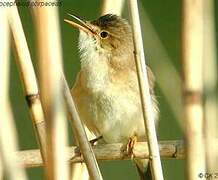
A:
(85, 27)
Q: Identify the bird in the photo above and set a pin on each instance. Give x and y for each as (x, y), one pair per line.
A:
(106, 91)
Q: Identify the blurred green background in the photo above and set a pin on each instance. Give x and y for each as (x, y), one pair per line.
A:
(166, 19)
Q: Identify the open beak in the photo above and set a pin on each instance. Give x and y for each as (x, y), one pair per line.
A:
(83, 27)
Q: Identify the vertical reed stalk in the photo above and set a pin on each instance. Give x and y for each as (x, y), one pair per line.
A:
(1, 168)
(79, 171)
(210, 82)
(28, 77)
(50, 63)
(112, 7)
(8, 140)
(192, 51)
(78, 128)
(147, 107)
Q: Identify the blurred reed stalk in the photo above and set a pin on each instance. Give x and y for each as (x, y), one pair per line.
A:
(1, 168)
(147, 107)
(112, 7)
(168, 150)
(50, 64)
(79, 171)
(192, 52)
(210, 85)
(78, 128)
(8, 136)
(28, 78)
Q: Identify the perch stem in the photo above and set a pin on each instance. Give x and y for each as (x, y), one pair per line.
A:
(168, 150)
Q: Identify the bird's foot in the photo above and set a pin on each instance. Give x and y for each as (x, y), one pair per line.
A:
(130, 146)
(93, 141)
(78, 152)
(77, 155)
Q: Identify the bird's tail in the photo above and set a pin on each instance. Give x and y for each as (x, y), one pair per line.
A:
(143, 168)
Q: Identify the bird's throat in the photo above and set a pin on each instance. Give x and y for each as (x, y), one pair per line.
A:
(94, 71)
(94, 64)
(94, 74)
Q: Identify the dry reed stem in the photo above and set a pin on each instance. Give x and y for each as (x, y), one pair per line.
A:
(1, 168)
(112, 7)
(210, 82)
(28, 77)
(87, 152)
(168, 150)
(147, 107)
(79, 170)
(80, 134)
(50, 63)
(8, 140)
(192, 51)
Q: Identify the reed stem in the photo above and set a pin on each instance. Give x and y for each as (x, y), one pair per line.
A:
(192, 52)
(50, 63)
(112, 7)
(28, 77)
(80, 133)
(8, 135)
(210, 86)
(147, 107)
(107, 152)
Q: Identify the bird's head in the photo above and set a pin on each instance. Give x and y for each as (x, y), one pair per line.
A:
(109, 33)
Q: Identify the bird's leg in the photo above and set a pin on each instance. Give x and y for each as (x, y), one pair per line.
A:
(93, 141)
(130, 145)
(77, 154)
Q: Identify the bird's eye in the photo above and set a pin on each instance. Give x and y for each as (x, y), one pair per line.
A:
(104, 34)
